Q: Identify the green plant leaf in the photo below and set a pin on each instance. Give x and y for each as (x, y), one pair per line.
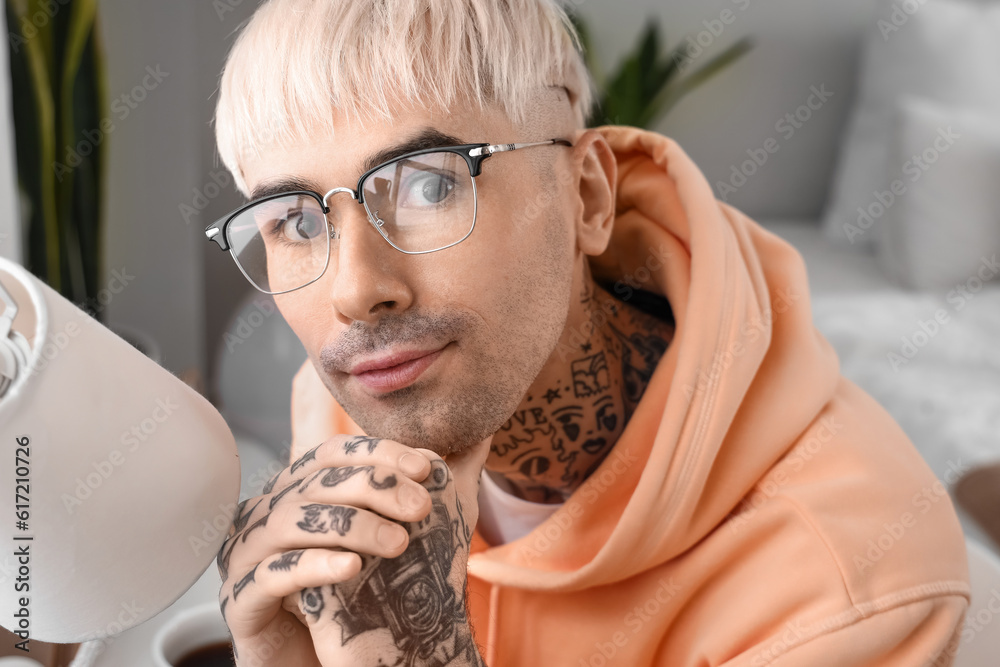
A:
(678, 88)
(33, 52)
(645, 85)
(76, 219)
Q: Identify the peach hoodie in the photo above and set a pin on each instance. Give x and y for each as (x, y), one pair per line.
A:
(759, 508)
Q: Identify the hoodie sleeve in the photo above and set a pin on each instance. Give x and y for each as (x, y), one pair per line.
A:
(926, 633)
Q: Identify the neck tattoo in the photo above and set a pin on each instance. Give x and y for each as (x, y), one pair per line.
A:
(574, 412)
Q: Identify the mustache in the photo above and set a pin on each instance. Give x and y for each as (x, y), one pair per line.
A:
(361, 340)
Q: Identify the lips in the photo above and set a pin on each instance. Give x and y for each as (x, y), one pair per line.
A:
(394, 371)
(389, 360)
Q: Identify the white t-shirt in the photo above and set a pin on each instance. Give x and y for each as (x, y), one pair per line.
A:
(503, 517)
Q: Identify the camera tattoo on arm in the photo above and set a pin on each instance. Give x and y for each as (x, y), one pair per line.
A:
(412, 595)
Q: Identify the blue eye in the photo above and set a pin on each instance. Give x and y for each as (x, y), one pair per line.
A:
(427, 189)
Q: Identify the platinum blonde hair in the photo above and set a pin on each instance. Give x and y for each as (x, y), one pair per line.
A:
(299, 62)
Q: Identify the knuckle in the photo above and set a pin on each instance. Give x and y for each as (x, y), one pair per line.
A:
(439, 477)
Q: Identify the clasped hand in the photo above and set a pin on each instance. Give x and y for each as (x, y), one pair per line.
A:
(355, 554)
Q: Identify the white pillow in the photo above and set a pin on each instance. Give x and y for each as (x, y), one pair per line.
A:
(948, 50)
(943, 228)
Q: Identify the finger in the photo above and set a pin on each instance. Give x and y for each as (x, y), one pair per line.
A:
(343, 450)
(260, 590)
(306, 525)
(375, 488)
(464, 467)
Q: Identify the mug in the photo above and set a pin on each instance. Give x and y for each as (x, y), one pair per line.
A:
(124, 480)
(187, 630)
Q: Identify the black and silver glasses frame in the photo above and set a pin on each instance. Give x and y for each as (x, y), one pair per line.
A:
(473, 154)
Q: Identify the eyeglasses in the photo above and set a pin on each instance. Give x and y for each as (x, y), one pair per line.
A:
(420, 202)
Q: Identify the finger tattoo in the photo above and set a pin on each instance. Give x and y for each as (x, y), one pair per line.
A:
(387, 483)
(242, 518)
(304, 459)
(312, 600)
(285, 490)
(222, 560)
(256, 524)
(325, 518)
(352, 445)
(270, 483)
(287, 561)
(244, 582)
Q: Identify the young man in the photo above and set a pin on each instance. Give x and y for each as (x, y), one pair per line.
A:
(675, 471)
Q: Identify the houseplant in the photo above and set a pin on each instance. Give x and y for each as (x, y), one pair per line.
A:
(647, 83)
(60, 120)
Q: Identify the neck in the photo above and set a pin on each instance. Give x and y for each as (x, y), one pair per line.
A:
(574, 412)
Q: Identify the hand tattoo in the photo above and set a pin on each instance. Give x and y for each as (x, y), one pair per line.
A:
(337, 518)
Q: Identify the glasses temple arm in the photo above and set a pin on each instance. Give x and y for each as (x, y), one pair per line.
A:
(500, 148)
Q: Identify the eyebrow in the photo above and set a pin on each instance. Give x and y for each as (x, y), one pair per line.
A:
(427, 137)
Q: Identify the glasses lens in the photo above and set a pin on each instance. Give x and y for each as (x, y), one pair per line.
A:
(281, 244)
(424, 202)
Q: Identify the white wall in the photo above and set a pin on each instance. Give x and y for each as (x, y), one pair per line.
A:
(800, 43)
(10, 227)
(154, 155)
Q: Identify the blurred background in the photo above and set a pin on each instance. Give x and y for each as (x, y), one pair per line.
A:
(865, 132)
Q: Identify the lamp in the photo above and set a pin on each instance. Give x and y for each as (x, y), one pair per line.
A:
(118, 482)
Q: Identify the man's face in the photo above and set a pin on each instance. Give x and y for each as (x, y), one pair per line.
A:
(494, 304)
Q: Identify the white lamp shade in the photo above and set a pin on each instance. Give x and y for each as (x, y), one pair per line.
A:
(131, 478)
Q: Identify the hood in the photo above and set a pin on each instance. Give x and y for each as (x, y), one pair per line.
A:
(745, 374)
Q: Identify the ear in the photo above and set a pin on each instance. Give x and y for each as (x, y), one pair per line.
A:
(596, 187)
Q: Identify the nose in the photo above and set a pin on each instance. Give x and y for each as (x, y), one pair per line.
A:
(366, 275)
